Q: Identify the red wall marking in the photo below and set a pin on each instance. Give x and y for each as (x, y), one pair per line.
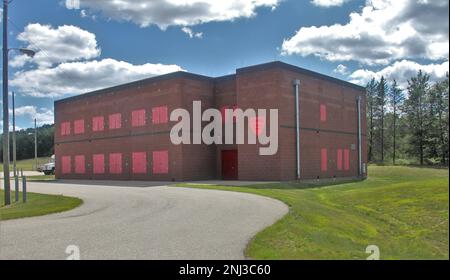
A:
(115, 121)
(138, 118)
(80, 167)
(160, 162)
(115, 163)
(339, 159)
(78, 126)
(65, 164)
(346, 159)
(139, 162)
(98, 123)
(324, 159)
(159, 115)
(65, 128)
(323, 112)
(99, 163)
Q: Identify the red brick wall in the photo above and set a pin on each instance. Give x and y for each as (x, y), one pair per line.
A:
(338, 131)
(127, 139)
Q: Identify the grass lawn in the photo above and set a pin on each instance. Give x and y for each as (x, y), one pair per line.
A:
(27, 164)
(402, 210)
(36, 205)
(41, 178)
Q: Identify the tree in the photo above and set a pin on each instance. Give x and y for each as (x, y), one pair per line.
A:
(25, 142)
(415, 107)
(395, 99)
(437, 121)
(382, 88)
(371, 90)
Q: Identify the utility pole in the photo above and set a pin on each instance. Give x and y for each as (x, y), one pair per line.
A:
(35, 145)
(14, 134)
(6, 182)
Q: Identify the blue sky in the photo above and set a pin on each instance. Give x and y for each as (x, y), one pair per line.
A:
(227, 38)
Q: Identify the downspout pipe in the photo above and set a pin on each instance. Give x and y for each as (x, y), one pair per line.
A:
(358, 104)
(296, 84)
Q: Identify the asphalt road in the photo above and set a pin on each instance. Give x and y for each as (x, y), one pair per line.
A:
(141, 222)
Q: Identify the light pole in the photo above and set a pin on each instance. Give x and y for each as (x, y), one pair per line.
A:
(5, 52)
(35, 145)
(5, 106)
(14, 134)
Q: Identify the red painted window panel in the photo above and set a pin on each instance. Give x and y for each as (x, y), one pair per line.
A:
(98, 123)
(159, 115)
(323, 112)
(115, 163)
(115, 121)
(80, 167)
(78, 126)
(339, 159)
(138, 118)
(324, 160)
(99, 163)
(65, 165)
(160, 162)
(346, 159)
(139, 162)
(65, 128)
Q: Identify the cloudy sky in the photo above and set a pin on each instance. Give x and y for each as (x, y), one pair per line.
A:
(99, 43)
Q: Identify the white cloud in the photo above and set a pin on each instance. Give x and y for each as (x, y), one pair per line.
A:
(401, 71)
(55, 45)
(42, 115)
(384, 31)
(64, 66)
(341, 69)
(191, 33)
(80, 77)
(25, 110)
(164, 13)
(329, 3)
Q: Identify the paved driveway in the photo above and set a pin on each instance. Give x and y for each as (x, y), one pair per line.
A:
(141, 222)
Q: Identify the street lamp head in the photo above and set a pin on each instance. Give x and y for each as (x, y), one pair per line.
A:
(28, 52)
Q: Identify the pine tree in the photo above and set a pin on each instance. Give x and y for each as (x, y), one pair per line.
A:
(415, 107)
(438, 120)
(381, 104)
(395, 98)
(371, 90)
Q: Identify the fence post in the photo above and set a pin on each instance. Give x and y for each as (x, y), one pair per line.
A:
(16, 181)
(24, 189)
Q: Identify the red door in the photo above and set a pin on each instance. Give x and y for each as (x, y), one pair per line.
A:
(229, 165)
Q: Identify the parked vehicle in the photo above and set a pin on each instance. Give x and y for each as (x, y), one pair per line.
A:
(48, 168)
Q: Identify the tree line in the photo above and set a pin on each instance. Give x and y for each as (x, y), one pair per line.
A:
(408, 125)
(25, 142)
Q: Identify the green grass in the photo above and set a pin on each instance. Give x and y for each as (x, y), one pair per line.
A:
(402, 210)
(36, 205)
(27, 164)
(41, 178)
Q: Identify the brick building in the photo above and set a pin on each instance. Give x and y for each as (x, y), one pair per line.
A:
(123, 132)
